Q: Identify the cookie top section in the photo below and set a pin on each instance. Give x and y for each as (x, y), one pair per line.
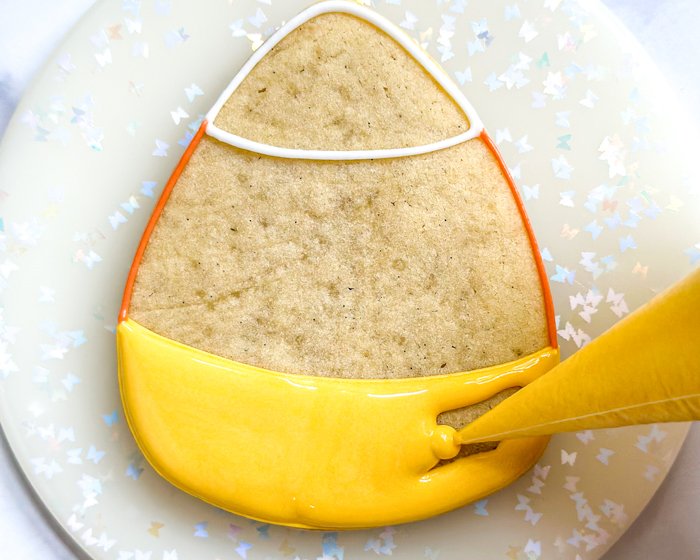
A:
(338, 82)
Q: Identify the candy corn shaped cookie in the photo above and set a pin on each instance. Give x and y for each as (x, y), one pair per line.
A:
(338, 276)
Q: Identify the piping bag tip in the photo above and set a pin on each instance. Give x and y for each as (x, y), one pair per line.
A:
(644, 370)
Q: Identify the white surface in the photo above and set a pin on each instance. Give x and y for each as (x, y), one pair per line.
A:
(30, 30)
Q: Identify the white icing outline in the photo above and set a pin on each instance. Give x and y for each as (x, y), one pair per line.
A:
(345, 7)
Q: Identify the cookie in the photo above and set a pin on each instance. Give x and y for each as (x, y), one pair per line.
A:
(341, 228)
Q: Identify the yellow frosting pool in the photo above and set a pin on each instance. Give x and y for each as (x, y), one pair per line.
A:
(311, 451)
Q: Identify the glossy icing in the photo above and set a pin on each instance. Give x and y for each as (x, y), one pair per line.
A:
(307, 451)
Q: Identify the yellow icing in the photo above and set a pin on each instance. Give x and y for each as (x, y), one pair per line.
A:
(310, 451)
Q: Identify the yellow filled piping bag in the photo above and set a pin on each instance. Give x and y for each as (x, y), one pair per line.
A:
(645, 369)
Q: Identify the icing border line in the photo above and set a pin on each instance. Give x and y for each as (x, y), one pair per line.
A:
(534, 247)
(157, 211)
(413, 49)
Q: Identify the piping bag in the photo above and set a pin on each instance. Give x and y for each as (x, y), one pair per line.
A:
(645, 369)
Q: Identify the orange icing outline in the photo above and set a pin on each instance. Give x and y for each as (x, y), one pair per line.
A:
(128, 289)
(542, 273)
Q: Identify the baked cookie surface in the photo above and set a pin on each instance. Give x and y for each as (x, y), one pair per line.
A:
(389, 268)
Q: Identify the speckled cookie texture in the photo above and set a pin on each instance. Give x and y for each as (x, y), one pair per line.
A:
(388, 268)
(339, 83)
(391, 268)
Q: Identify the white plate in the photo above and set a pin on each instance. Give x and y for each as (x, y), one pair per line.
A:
(582, 120)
